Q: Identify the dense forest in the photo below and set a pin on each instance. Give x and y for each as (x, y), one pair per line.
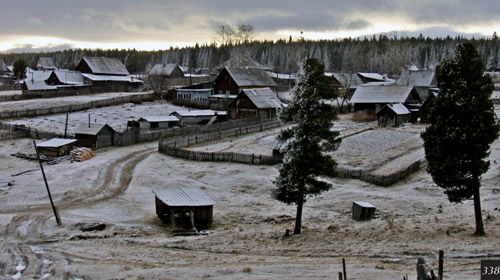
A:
(382, 54)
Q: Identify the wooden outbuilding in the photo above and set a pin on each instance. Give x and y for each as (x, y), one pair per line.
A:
(166, 70)
(256, 102)
(94, 135)
(231, 81)
(184, 207)
(199, 116)
(157, 122)
(373, 98)
(393, 115)
(362, 211)
(56, 147)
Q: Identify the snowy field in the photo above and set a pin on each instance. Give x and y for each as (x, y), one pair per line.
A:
(60, 101)
(246, 240)
(115, 116)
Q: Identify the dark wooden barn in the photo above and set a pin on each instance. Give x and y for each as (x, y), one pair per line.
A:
(373, 98)
(56, 147)
(94, 135)
(166, 70)
(362, 211)
(393, 115)
(184, 207)
(231, 81)
(256, 102)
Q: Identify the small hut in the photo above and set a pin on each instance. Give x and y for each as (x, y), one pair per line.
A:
(362, 211)
(94, 135)
(189, 207)
(158, 122)
(393, 115)
(56, 147)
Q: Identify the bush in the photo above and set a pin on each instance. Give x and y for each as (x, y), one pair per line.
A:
(364, 116)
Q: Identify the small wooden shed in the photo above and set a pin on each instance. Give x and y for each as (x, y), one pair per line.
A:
(94, 135)
(189, 207)
(362, 211)
(393, 115)
(56, 147)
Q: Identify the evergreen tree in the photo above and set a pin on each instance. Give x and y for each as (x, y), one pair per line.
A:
(19, 67)
(305, 143)
(463, 126)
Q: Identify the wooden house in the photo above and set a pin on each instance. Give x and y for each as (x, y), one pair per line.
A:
(419, 78)
(371, 77)
(56, 147)
(393, 115)
(373, 98)
(94, 135)
(65, 77)
(187, 207)
(231, 81)
(158, 122)
(45, 63)
(256, 102)
(166, 70)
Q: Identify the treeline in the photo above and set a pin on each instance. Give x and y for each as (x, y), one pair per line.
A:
(380, 54)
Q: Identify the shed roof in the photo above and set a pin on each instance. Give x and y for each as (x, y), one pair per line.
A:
(46, 63)
(163, 69)
(183, 197)
(106, 65)
(247, 77)
(422, 78)
(114, 78)
(373, 76)
(364, 204)
(199, 113)
(398, 109)
(69, 77)
(38, 85)
(347, 80)
(56, 143)
(94, 128)
(381, 94)
(37, 75)
(263, 98)
(160, 119)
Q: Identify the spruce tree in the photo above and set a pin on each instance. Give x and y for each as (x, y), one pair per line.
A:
(304, 144)
(463, 126)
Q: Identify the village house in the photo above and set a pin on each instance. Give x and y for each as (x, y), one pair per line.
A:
(393, 115)
(256, 102)
(166, 70)
(56, 147)
(418, 78)
(231, 81)
(107, 74)
(45, 63)
(155, 122)
(199, 116)
(94, 135)
(373, 98)
(187, 208)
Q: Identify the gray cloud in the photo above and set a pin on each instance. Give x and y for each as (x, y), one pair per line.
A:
(194, 20)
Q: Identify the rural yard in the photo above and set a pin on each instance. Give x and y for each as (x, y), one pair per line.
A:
(246, 241)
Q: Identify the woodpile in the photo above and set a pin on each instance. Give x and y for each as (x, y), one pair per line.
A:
(81, 154)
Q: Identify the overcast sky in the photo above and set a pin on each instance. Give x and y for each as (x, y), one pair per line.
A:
(27, 25)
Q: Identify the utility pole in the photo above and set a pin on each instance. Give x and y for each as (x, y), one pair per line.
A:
(56, 214)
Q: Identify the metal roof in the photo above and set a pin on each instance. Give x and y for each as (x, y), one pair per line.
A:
(423, 78)
(373, 76)
(56, 142)
(46, 63)
(263, 98)
(114, 78)
(38, 85)
(199, 113)
(69, 77)
(364, 204)
(37, 75)
(160, 119)
(106, 65)
(184, 197)
(163, 69)
(248, 77)
(397, 108)
(94, 128)
(347, 80)
(381, 94)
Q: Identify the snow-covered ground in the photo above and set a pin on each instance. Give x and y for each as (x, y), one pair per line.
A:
(115, 116)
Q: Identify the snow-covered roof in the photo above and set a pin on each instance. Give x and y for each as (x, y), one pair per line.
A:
(100, 78)
(164, 69)
(373, 76)
(364, 204)
(56, 143)
(160, 119)
(381, 94)
(37, 75)
(183, 197)
(347, 80)
(69, 77)
(247, 77)
(263, 98)
(93, 129)
(46, 63)
(38, 85)
(423, 78)
(105, 65)
(398, 109)
(199, 113)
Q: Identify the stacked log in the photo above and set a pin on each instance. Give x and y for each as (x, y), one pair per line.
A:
(81, 154)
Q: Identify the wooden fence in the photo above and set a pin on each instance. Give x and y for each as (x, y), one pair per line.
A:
(224, 157)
